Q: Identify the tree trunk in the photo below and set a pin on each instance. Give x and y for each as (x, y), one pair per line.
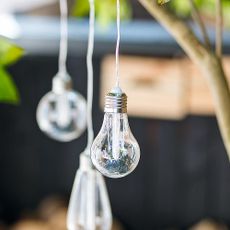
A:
(217, 82)
(204, 58)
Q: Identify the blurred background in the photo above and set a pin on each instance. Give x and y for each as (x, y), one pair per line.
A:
(183, 177)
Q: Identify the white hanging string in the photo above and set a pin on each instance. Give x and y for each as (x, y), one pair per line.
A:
(118, 45)
(89, 60)
(64, 36)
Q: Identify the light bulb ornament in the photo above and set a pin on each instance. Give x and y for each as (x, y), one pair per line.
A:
(89, 206)
(61, 113)
(115, 152)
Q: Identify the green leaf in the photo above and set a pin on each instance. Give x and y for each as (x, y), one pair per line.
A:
(105, 10)
(226, 13)
(9, 52)
(182, 8)
(8, 90)
(207, 9)
(80, 8)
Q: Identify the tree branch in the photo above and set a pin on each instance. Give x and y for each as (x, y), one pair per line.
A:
(207, 62)
(179, 30)
(197, 18)
(219, 28)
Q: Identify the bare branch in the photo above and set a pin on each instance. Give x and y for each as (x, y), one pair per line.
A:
(197, 18)
(178, 28)
(219, 28)
(161, 2)
(207, 62)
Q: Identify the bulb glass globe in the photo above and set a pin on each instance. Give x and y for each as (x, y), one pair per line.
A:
(115, 152)
(89, 207)
(61, 113)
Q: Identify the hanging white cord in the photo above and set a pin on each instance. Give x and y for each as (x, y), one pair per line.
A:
(90, 74)
(118, 45)
(64, 36)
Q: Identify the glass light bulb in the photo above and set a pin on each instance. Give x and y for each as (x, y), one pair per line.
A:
(115, 152)
(89, 207)
(61, 113)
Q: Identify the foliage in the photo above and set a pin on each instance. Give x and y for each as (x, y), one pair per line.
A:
(9, 54)
(105, 10)
(207, 8)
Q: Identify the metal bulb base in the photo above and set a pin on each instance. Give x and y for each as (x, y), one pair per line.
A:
(115, 102)
(61, 83)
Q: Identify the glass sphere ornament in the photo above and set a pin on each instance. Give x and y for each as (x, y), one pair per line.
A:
(89, 206)
(61, 113)
(115, 152)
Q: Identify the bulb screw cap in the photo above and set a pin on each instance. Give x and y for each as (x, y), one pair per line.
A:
(85, 162)
(116, 102)
(61, 82)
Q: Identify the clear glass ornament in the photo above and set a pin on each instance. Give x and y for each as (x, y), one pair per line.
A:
(89, 207)
(61, 113)
(115, 152)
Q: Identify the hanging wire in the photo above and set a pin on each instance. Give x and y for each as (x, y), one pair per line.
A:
(90, 75)
(118, 45)
(64, 36)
